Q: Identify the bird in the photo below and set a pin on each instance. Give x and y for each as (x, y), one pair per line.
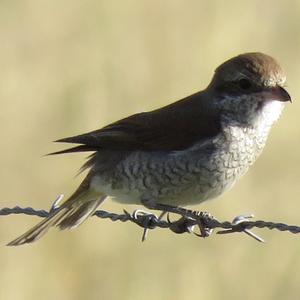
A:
(181, 154)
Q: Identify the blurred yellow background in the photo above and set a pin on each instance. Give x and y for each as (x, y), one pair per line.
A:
(68, 67)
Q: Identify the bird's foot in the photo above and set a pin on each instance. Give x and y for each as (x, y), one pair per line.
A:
(188, 224)
(203, 218)
(183, 224)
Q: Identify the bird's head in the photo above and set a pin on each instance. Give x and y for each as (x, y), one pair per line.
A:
(248, 89)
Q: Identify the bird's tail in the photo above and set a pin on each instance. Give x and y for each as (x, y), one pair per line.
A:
(70, 214)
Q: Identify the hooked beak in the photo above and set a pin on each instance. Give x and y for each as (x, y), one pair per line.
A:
(277, 93)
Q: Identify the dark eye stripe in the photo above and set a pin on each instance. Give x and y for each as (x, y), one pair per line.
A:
(244, 84)
(237, 88)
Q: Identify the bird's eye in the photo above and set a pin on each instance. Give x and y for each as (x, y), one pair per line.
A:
(244, 84)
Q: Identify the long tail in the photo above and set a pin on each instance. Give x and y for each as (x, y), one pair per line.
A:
(70, 214)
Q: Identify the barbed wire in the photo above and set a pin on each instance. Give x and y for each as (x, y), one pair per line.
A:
(201, 224)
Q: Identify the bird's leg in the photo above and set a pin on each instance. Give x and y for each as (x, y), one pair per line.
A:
(150, 204)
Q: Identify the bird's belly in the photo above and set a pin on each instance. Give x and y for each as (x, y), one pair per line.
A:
(176, 179)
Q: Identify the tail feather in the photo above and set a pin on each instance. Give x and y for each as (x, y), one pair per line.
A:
(79, 214)
(41, 228)
(70, 215)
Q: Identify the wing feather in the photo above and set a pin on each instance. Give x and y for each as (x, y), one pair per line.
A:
(173, 127)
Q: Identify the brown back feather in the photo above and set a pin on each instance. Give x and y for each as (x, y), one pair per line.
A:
(173, 127)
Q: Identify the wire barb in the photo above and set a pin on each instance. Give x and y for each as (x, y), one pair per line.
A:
(240, 223)
(202, 220)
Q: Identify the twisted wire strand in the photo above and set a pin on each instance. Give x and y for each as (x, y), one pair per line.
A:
(184, 224)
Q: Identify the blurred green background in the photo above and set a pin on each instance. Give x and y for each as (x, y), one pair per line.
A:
(67, 67)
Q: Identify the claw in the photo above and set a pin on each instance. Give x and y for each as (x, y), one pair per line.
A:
(202, 216)
(168, 218)
(187, 223)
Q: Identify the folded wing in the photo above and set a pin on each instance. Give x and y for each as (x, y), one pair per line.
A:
(173, 127)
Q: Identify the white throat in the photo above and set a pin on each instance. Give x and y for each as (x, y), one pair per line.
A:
(270, 113)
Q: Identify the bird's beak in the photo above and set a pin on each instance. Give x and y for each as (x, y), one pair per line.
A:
(277, 93)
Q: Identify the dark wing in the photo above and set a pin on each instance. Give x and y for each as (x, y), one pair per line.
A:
(173, 127)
